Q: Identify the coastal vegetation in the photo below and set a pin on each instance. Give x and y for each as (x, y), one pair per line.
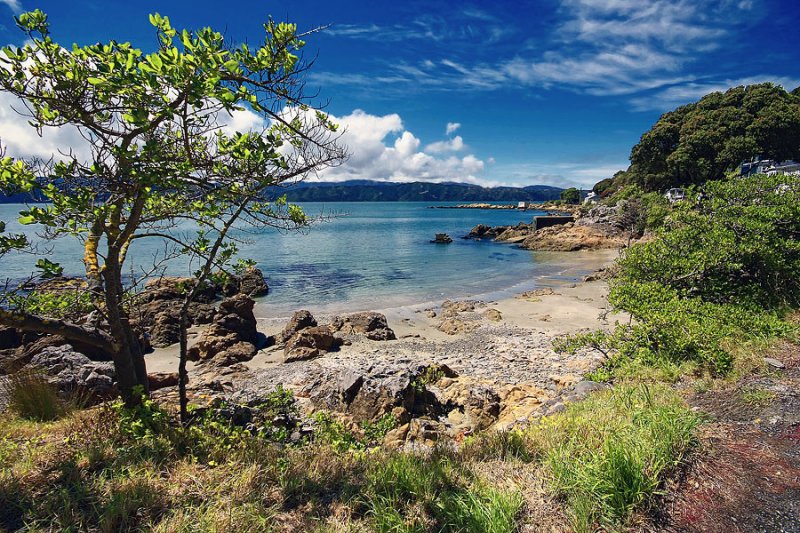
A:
(721, 269)
(706, 139)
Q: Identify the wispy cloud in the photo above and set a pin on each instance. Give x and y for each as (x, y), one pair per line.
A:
(452, 127)
(671, 97)
(596, 47)
(15, 5)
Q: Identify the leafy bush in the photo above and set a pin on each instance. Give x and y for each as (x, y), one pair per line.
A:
(723, 269)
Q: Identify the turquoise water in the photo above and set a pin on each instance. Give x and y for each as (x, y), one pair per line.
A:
(370, 255)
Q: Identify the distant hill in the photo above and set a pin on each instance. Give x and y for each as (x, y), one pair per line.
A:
(379, 191)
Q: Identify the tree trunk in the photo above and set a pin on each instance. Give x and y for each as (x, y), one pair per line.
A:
(183, 375)
(128, 356)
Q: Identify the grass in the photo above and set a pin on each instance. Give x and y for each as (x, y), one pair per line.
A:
(31, 396)
(755, 397)
(609, 454)
(102, 470)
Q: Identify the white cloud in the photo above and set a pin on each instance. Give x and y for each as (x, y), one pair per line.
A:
(671, 97)
(15, 6)
(22, 141)
(456, 144)
(452, 127)
(382, 149)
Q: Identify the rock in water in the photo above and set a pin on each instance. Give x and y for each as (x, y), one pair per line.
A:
(442, 238)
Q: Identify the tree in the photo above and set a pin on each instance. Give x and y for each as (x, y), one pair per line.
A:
(704, 140)
(571, 196)
(158, 156)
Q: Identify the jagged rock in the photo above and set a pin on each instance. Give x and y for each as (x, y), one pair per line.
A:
(252, 283)
(368, 393)
(300, 347)
(512, 233)
(232, 337)
(479, 403)
(571, 237)
(442, 238)
(71, 371)
(309, 343)
(482, 231)
(174, 288)
(10, 338)
(370, 324)
(451, 308)
(300, 320)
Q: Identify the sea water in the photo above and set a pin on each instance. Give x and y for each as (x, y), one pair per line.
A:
(364, 255)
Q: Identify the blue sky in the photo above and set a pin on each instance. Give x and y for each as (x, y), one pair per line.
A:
(549, 91)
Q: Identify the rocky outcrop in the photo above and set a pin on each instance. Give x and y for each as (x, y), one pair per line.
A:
(73, 372)
(515, 233)
(157, 308)
(442, 238)
(571, 237)
(250, 282)
(309, 343)
(232, 337)
(482, 231)
(369, 324)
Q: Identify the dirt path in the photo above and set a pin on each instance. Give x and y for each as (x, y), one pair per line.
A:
(747, 474)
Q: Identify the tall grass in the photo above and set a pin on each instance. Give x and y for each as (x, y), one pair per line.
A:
(609, 454)
(31, 396)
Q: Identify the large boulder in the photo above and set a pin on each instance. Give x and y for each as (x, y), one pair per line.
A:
(309, 343)
(73, 372)
(232, 337)
(252, 283)
(370, 324)
(300, 320)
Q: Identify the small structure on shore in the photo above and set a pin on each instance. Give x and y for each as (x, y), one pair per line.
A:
(442, 238)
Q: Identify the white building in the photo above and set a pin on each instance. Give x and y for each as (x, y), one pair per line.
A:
(675, 195)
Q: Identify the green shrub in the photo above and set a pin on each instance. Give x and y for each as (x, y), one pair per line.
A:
(722, 270)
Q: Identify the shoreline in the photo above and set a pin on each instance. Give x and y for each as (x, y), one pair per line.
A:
(511, 355)
(571, 267)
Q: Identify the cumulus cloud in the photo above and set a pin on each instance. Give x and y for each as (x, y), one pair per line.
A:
(456, 144)
(20, 140)
(383, 149)
(452, 127)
